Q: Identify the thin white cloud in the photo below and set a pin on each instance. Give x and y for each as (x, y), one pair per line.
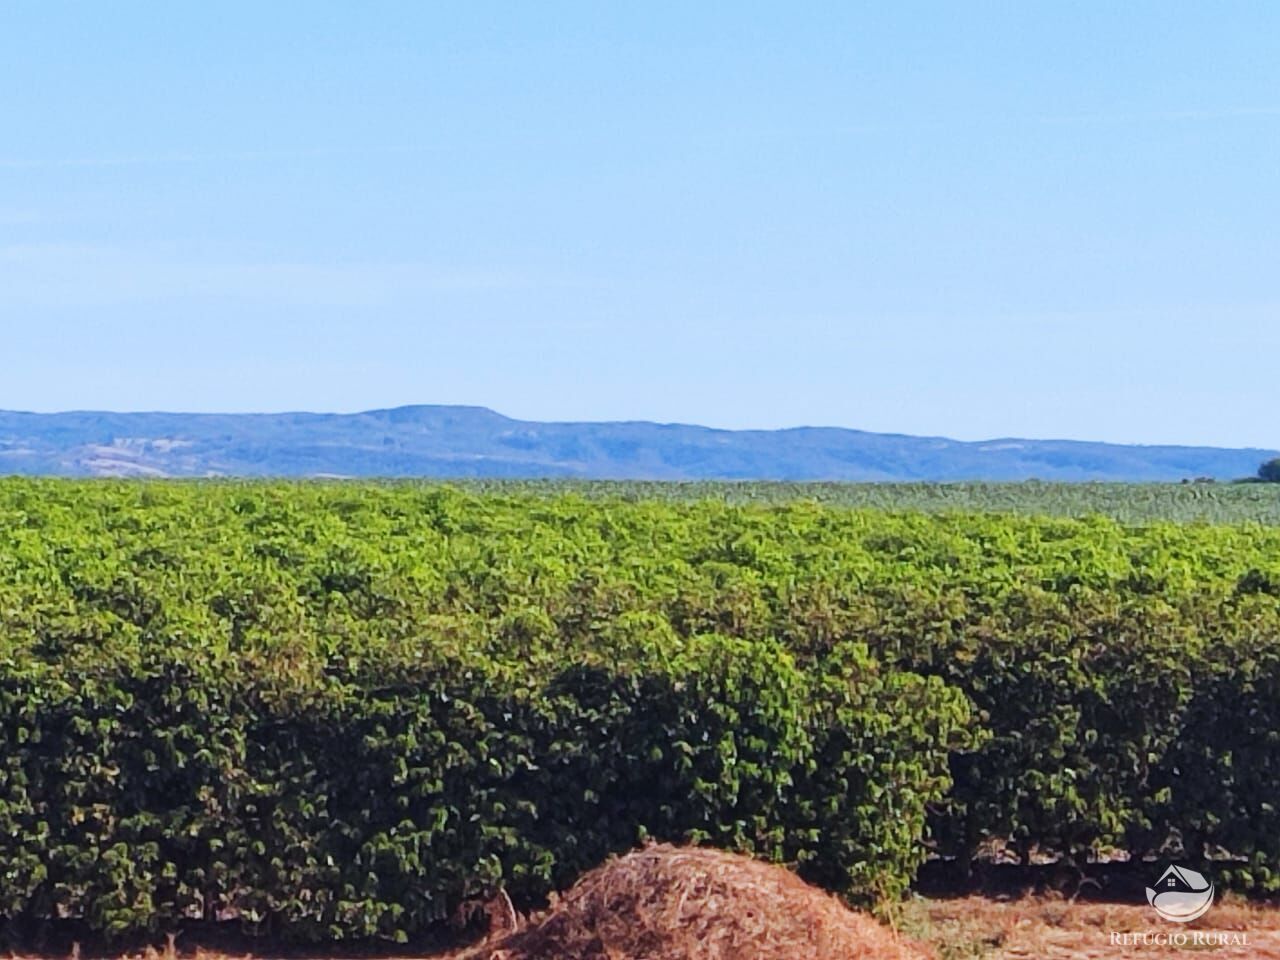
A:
(185, 158)
(949, 124)
(70, 275)
(1230, 113)
(20, 218)
(937, 124)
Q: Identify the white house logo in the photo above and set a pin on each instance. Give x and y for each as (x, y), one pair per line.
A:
(1181, 895)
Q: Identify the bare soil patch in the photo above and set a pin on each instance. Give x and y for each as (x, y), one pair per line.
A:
(1049, 927)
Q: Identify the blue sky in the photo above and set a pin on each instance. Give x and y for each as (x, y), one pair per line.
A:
(969, 219)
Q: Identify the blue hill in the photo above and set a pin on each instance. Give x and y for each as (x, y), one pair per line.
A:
(458, 441)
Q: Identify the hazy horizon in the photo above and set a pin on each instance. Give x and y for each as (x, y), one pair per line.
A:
(976, 222)
(622, 420)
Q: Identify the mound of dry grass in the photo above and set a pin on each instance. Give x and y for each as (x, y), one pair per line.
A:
(683, 903)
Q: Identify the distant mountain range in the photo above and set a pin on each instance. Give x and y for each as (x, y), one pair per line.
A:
(458, 441)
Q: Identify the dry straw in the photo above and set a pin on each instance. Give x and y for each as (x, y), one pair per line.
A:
(684, 903)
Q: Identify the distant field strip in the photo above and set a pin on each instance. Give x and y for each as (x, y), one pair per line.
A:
(1127, 502)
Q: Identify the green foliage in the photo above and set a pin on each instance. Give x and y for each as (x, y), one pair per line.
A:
(1269, 472)
(341, 710)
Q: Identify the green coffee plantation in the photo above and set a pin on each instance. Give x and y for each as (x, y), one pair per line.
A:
(328, 711)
